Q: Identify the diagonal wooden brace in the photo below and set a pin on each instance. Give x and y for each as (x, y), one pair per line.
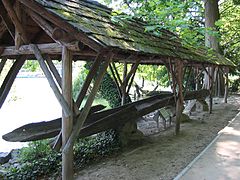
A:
(2, 64)
(9, 79)
(86, 109)
(66, 109)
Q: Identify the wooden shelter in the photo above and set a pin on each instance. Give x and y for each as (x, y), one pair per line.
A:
(70, 30)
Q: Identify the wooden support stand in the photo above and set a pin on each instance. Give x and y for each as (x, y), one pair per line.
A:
(179, 105)
(67, 122)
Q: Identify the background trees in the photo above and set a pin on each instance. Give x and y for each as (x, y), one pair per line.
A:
(187, 19)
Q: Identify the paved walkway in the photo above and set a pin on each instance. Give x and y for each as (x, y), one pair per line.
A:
(220, 160)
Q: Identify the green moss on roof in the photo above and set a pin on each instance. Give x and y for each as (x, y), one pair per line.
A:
(128, 34)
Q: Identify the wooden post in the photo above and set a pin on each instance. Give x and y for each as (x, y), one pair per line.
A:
(18, 40)
(226, 84)
(124, 85)
(84, 113)
(211, 84)
(67, 122)
(179, 105)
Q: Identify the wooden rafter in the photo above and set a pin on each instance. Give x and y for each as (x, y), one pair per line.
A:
(7, 22)
(15, 20)
(57, 34)
(86, 109)
(9, 79)
(67, 110)
(60, 23)
(18, 38)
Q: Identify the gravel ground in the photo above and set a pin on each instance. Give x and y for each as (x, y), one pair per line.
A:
(163, 155)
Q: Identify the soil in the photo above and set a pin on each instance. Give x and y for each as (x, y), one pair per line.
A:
(163, 155)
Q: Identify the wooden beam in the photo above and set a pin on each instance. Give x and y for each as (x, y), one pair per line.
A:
(115, 80)
(81, 119)
(180, 98)
(67, 110)
(226, 84)
(18, 38)
(124, 85)
(57, 34)
(54, 71)
(15, 20)
(2, 63)
(42, 11)
(117, 74)
(131, 82)
(7, 22)
(50, 48)
(132, 71)
(9, 79)
(67, 122)
(89, 78)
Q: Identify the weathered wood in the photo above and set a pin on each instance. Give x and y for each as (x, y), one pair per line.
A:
(34, 6)
(18, 39)
(2, 63)
(115, 80)
(88, 104)
(9, 79)
(117, 74)
(54, 71)
(7, 22)
(124, 84)
(57, 34)
(180, 98)
(50, 48)
(61, 100)
(42, 130)
(67, 121)
(226, 84)
(15, 20)
(89, 78)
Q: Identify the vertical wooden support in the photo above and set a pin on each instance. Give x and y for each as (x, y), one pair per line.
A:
(211, 84)
(67, 122)
(179, 104)
(226, 69)
(18, 39)
(124, 85)
(84, 113)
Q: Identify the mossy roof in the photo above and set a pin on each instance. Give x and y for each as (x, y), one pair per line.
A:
(114, 30)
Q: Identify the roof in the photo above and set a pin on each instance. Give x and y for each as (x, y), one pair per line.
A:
(117, 31)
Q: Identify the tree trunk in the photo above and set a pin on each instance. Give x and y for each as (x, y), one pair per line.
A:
(211, 16)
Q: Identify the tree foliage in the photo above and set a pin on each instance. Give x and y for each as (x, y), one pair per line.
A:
(229, 26)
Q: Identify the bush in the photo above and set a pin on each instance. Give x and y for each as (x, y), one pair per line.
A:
(39, 160)
(36, 160)
(234, 85)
